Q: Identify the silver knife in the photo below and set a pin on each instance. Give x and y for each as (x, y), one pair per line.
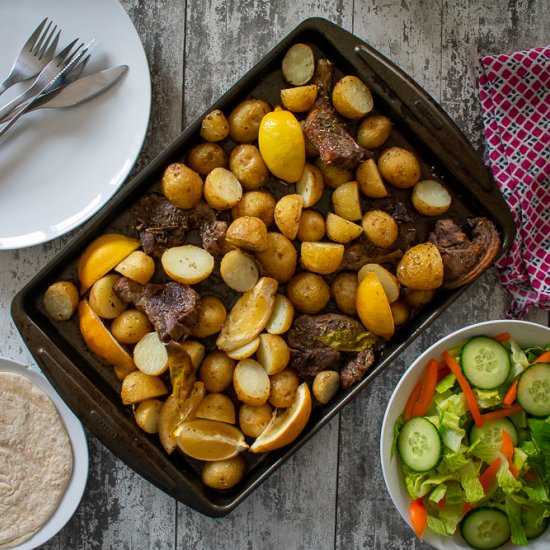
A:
(77, 92)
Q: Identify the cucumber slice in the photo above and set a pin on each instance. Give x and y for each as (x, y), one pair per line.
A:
(532, 531)
(485, 362)
(491, 432)
(419, 444)
(485, 528)
(533, 392)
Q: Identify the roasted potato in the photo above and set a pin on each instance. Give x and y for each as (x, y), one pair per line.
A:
(283, 388)
(130, 326)
(279, 259)
(341, 230)
(374, 131)
(345, 201)
(211, 317)
(312, 226)
(399, 167)
(351, 97)
(308, 292)
(151, 355)
(248, 166)
(138, 386)
(334, 175)
(344, 289)
(195, 350)
(431, 198)
(223, 474)
(247, 232)
(380, 228)
(216, 371)
(137, 266)
(310, 186)
(387, 279)
(325, 385)
(204, 157)
(282, 316)
(214, 126)
(187, 264)
(299, 99)
(251, 383)
(298, 64)
(421, 267)
(273, 353)
(246, 351)
(222, 189)
(147, 415)
(245, 118)
(288, 211)
(400, 312)
(370, 181)
(181, 185)
(254, 418)
(418, 298)
(260, 204)
(217, 406)
(103, 299)
(321, 257)
(61, 300)
(239, 270)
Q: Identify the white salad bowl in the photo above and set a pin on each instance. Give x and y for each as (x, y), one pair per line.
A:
(525, 334)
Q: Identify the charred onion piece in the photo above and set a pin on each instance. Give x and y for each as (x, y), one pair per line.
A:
(464, 259)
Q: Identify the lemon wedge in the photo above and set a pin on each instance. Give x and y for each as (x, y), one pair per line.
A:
(373, 306)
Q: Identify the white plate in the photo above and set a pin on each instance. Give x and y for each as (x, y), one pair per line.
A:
(77, 483)
(58, 167)
(525, 334)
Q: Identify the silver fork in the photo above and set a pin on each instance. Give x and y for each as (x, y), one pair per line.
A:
(37, 51)
(47, 74)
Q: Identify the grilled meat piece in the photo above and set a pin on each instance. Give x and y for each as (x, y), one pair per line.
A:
(324, 129)
(162, 225)
(172, 308)
(464, 259)
(356, 369)
(309, 362)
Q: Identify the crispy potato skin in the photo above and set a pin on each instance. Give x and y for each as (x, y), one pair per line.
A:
(61, 300)
(223, 474)
(279, 259)
(214, 126)
(380, 228)
(181, 185)
(374, 131)
(308, 292)
(421, 267)
(351, 97)
(260, 204)
(248, 233)
(248, 166)
(254, 418)
(344, 289)
(312, 226)
(399, 167)
(204, 157)
(245, 118)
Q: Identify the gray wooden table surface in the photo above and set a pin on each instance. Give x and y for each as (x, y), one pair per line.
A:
(331, 493)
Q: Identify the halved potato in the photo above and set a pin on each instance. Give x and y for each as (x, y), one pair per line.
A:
(251, 382)
(239, 271)
(341, 230)
(374, 131)
(211, 316)
(431, 198)
(288, 211)
(249, 316)
(181, 185)
(222, 190)
(273, 353)
(308, 292)
(421, 267)
(247, 232)
(248, 350)
(138, 386)
(321, 257)
(282, 316)
(344, 289)
(147, 415)
(214, 126)
(298, 64)
(325, 385)
(370, 181)
(351, 97)
(151, 355)
(103, 299)
(217, 406)
(279, 259)
(260, 204)
(312, 226)
(334, 175)
(311, 185)
(299, 99)
(137, 266)
(61, 300)
(187, 264)
(283, 388)
(380, 228)
(346, 202)
(387, 279)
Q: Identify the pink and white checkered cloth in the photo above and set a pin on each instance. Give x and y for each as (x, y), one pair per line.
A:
(514, 90)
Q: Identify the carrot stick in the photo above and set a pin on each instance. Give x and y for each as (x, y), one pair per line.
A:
(427, 390)
(543, 358)
(501, 413)
(487, 477)
(411, 401)
(507, 448)
(452, 363)
(503, 337)
(510, 396)
(418, 516)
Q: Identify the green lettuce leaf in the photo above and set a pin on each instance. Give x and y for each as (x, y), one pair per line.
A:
(446, 383)
(540, 430)
(513, 510)
(488, 398)
(469, 479)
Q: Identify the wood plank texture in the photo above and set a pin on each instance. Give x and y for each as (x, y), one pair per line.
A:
(330, 494)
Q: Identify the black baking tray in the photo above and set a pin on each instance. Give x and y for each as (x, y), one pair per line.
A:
(91, 389)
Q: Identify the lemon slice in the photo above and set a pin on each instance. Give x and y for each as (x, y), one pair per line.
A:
(373, 306)
(285, 427)
(282, 146)
(210, 440)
